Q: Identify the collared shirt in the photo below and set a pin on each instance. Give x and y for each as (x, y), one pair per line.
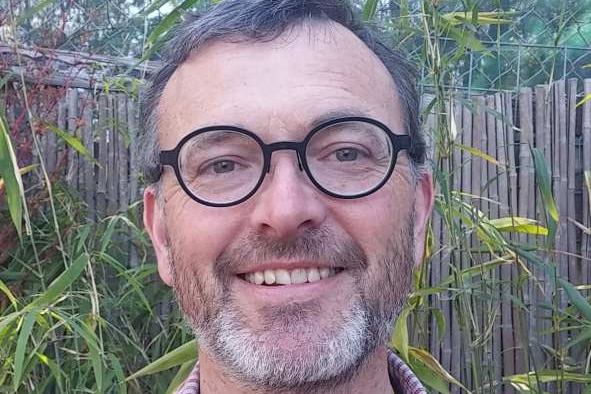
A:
(402, 379)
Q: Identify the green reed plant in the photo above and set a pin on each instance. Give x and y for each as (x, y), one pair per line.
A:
(474, 292)
(73, 315)
(90, 323)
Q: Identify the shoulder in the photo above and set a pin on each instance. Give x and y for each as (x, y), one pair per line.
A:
(402, 378)
(191, 384)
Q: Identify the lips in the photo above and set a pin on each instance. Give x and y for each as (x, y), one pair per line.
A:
(274, 277)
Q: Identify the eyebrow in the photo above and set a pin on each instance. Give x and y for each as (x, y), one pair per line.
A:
(325, 117)
(335, 114)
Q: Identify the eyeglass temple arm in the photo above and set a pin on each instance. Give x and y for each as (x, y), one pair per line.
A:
(168, 157)
(401, 141)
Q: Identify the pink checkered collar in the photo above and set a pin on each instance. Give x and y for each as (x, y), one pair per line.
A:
(402, 379)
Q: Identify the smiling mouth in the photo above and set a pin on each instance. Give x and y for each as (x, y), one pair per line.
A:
(281, 277)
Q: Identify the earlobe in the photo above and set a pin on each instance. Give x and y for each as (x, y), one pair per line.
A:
(423, 207)
(156, 227)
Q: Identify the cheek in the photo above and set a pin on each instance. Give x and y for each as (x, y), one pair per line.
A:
(374, 220)
(200, 234)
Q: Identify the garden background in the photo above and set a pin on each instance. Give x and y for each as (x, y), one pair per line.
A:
(502, 299)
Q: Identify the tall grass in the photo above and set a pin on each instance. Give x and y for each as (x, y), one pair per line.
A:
(86, 325)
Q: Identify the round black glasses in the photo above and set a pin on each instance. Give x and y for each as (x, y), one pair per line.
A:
(347, 157)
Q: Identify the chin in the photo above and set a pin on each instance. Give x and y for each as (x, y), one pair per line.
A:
(299, 348)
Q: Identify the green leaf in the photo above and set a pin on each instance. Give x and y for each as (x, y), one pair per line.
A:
(169, 21)
(477, 269)
(576, 298)
(8, 293)
(180, 355)
(546, 376)
(543, 177)
(155, 38)
(56, 288)
(6, 78)
(6, 320)
(583, 336)
(462, 36)
(519, 224)
(22, 171)
(399, 339)
(119, 374)
(478, 153)
(12, 179)
(57, 373)
(71, 140)
(154, 6)
(33, 11)
(180, 377)
(426, 375)
(425, 291)
(369, 9)
(478, 17)
(21, 347)
(584, 100)
(543, 180)
(85, 331)
(97, 364)
(434, 366)
(440, 321)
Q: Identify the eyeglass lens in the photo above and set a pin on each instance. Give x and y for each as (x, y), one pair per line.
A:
(346, 159)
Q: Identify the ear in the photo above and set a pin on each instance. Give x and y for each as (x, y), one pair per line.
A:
(155, 224)
(424, 197)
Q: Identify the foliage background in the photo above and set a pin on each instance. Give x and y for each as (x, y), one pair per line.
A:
(75, 316)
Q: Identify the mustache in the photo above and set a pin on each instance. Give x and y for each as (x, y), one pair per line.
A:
(315, 244)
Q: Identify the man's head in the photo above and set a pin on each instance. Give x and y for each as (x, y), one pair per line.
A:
(344, 211)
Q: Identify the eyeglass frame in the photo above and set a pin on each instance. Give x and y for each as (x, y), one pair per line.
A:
(171, 157)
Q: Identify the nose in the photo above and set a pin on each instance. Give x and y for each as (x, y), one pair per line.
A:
(287, 202)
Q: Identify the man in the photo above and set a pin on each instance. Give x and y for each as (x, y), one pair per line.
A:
(288, 197)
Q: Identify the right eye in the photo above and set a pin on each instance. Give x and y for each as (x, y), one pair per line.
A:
(220, 166)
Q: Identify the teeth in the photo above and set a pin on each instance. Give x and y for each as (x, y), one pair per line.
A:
(259, 278)
(269, 277)
(282, 277)
(299, 276)
(285, 277)
(313, 275)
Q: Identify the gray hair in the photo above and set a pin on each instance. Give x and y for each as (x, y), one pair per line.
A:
(265, 20)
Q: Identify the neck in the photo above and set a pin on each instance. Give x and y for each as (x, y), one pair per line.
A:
(372, 377)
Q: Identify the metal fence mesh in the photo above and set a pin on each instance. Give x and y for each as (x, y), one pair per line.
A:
(546, 40)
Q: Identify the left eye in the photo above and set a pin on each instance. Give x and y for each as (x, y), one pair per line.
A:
(346, 154)
(223, 166)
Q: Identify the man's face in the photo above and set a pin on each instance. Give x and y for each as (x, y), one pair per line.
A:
(287, 335)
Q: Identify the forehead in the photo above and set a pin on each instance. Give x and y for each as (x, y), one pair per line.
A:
(279, 88)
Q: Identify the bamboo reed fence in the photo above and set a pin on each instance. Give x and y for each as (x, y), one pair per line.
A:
(504, 125)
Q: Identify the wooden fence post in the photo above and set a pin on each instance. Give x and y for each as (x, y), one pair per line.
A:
(586, 142)
(72, 122)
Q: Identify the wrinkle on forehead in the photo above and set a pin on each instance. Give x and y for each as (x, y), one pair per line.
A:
(313, 67)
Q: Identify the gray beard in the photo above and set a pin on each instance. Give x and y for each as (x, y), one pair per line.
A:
(338, 350)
